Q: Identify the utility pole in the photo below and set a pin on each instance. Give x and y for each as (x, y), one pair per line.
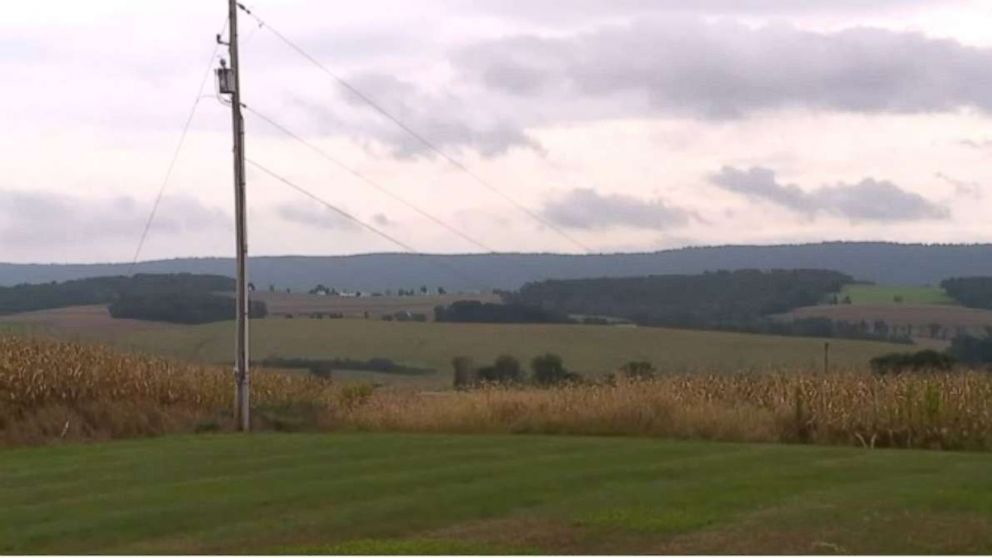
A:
(229, 80)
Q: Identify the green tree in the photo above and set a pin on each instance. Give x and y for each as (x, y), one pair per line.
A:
(549, 370)
(506, 370)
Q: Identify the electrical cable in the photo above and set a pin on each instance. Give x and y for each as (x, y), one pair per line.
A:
(371, 228)
(175, 158)
(413, 133)
(369, 181)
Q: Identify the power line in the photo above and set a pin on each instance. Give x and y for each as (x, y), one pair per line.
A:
(331, 206)
(369, 181)
(413, 133)
(175, 156)
(375, 230)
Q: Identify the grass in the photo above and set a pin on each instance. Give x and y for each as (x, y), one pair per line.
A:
(590, 350)
(405, 494)
(887, 294)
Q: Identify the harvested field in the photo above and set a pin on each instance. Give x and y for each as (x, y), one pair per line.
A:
(83, 322)
(281, 304)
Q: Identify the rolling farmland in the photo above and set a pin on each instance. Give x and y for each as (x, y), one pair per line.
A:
(888, 294)
(586, 349)
(589, 350)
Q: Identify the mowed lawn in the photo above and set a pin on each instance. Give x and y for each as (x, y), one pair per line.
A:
(887, 294)
(587, 349)
(359, 493)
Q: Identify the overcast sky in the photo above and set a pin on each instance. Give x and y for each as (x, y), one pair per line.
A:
(628, 125)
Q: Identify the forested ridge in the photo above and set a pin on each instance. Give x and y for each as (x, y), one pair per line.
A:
(710, 300)
(878, 262)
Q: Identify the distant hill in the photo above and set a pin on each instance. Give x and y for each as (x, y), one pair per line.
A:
(890, 263)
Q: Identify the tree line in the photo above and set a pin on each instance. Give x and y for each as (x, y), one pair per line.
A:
(715, 299)
(179, 297)
(973, 292)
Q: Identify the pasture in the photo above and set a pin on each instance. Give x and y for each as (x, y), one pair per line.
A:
(888, 294)
(590, 350)
(374, 493)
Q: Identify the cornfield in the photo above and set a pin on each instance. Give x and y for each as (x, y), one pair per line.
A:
(942, 411)
(51, 390)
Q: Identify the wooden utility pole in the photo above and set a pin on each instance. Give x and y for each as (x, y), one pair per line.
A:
(229, 80)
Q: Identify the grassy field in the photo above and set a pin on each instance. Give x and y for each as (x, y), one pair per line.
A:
(488, 494)
(887, 294)
(586, 349)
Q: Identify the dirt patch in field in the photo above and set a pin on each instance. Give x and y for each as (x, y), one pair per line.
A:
(80, 321)
(859, 532)
(546, 535)
(767, 532)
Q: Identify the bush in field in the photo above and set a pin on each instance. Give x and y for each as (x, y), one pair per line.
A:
(638, 370)
(506, 370)
(921, 361)
(465, 373)
(549, 370)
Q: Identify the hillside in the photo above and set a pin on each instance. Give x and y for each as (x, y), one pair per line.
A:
(589, 350)
(897, 264)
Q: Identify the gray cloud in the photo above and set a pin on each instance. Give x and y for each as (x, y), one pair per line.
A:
(976, 144)
(315, 216)
(42, 219)
(684, 65)
(382, 220)
(963, 188)
(551, 10)
(584, 208)
(868, 200)
(446, 120)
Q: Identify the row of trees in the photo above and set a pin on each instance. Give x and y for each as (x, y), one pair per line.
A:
(973, 292)
(965, 349)
(181, 307)
(721, 299)
(106, 290)
(545, 370)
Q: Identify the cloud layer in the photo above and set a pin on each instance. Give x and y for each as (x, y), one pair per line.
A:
(867, 200)
(43, 219)
(313, 215)
(584, 208)
(684, 65)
